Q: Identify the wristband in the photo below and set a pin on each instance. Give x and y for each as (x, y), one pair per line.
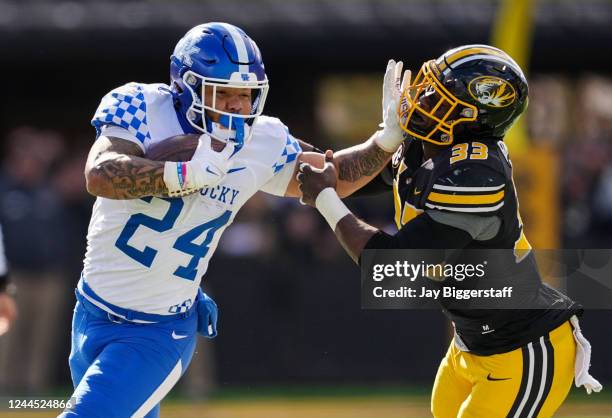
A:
(331, 207)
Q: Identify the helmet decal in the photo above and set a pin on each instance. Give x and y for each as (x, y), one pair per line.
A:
(492, 91)
(186, 47)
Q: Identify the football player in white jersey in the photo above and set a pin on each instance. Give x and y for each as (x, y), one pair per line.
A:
(156, 224)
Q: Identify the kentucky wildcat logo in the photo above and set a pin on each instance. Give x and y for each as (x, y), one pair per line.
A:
(492, 91)
(186, 48)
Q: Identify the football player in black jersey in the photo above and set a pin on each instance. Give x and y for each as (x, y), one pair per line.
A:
(453, 189)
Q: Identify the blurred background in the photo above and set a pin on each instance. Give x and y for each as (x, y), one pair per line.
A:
(292, 333)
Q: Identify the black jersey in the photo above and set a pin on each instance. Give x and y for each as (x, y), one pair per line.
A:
(476, 178)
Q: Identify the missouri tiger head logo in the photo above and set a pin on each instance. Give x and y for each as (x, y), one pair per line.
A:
(492, 91)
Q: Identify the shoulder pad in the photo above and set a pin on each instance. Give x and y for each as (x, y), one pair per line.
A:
(286, 146)
(268, 128)
(469, 188)
(125, 107)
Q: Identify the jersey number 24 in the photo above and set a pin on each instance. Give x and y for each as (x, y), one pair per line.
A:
(184, 243)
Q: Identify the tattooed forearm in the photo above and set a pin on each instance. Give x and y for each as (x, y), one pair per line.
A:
(116, 170)
(362, 162)
(133, 177)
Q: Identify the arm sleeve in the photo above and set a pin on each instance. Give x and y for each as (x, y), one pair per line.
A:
(283, 167)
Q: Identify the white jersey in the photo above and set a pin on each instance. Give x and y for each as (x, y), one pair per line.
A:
(150, 254)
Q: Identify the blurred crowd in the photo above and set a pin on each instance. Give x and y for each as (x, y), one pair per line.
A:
(587, 167)
(44, 213)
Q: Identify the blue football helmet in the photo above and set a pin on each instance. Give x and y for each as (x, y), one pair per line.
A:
(215, 55)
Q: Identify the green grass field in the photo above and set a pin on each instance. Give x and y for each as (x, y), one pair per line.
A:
(332, 403)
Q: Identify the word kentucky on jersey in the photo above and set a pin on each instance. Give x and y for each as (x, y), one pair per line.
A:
(220, 193)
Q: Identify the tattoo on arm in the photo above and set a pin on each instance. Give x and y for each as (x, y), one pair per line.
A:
(116, 170)
(362, 162)
(132, 179)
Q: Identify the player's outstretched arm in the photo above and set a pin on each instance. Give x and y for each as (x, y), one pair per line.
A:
(358, 165)
(116, 169)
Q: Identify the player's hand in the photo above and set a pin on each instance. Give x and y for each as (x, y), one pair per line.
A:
(313, 180)
(209, 166)
(8, 312)
(391, 135)
(206, 168)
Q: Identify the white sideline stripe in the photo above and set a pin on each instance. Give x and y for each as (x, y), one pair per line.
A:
(543, 380)
(160, 392)
(457, 209)
(517, 414)
(243, 56)
(468, 189)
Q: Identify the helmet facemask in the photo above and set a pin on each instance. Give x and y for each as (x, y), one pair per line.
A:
(231, 126)
(428, 111)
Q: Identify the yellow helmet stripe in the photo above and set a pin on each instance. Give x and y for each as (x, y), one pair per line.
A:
(485, 199)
